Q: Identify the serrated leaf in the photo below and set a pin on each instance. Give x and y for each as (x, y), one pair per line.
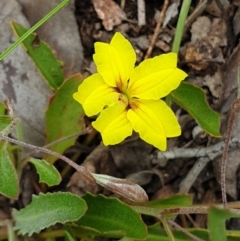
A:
(63, 117)
(43, 57)
(48, 209)
(8, 177)
(111, 215)
(192, 99)
(47, 172)
(216, 222)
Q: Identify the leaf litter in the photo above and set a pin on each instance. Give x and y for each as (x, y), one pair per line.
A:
(209, 53)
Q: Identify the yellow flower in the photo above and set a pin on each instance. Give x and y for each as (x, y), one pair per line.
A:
(128, 98)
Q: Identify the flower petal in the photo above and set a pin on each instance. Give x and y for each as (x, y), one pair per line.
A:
(113, 124)
(115, 61)
(93, 94)
(154, 121)
(155, 78)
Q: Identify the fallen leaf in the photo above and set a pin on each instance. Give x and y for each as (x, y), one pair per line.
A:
(215, 84)
(207, 37)
(236, 22)
(20, 79)
(110, 13)
(171, 12)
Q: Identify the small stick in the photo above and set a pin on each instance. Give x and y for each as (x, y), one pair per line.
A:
(9, 107)
(84, 132)
(157, 29)
(175, 225)
(123, 4)
(141, 13)
(235, 109)
(81, 169)
(192, 175)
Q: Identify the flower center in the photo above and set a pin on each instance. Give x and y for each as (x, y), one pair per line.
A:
(123, 98)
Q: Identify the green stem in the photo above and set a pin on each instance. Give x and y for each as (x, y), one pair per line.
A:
(167, 228)
(180, 25)
(32, 29)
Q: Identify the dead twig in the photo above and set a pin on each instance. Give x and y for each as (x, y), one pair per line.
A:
(141, 13)
(157, 29)
(123, 4)
(192, 175)
(235, 109)
(211, 152)
(175, 225)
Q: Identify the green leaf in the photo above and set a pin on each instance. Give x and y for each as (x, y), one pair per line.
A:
(63, 117)
(169, 205)
(216, 222)
(176, 201)
(4, 122)
(2, 109)
(8, 177)
(192, 99)
(47, 173)
(156, 233)
(46, 210)
(42, 55)
(68, 234)
(111, 215)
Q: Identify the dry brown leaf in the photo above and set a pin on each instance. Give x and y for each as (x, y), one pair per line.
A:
(20, 80)
(200, 28)
(150, 180)
(217, 35)
(131, 156)
(207, 38)
(236, 22)
(98, 161)
(230, 79)
(215, 8)
(215, 84)
(110, 13)
(172, 11)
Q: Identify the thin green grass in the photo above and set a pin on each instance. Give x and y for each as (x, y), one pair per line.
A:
(33, 28)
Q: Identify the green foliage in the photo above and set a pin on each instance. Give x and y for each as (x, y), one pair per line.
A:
(216, 222)
(155, 233)
(69, 234)
(46, 210)
(47, 173)
(192, 99)
(111, 215)
(8, 177)
(63, 117)
(178, 200)
(43, 57)
(2, 110)
(4, 122)
(92, 215)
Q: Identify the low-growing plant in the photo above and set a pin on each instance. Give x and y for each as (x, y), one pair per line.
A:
(127, 99)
